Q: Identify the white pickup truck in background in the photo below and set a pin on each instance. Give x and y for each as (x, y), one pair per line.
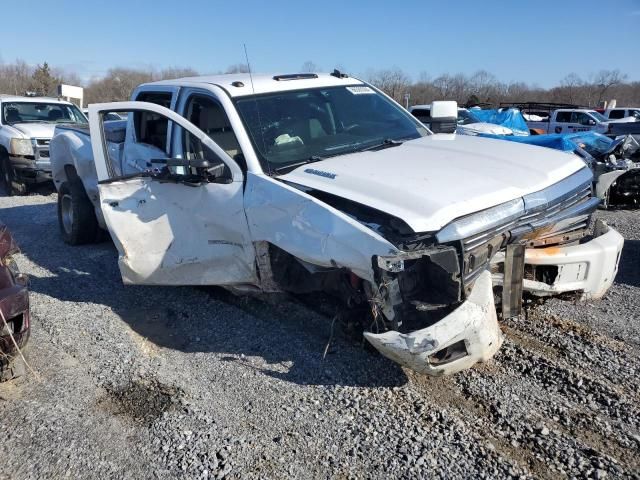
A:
(567, 121)
(26, 127)
(309, 183)
(620, 114)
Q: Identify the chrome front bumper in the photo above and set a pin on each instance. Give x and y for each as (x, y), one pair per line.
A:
(471, 332)
(589, 267)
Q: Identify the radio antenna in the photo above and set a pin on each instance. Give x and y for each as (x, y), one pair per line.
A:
(246, 56)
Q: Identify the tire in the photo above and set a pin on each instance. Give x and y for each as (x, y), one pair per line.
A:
(8, 177)
(76, 216)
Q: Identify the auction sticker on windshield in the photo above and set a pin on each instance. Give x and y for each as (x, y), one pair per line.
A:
(360, 90)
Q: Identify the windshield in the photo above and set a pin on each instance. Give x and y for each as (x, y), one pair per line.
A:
(291, 128)
(598, 116)
(30, 112)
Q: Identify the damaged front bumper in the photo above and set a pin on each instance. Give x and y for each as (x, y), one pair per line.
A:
(589, 267)
(468, 335)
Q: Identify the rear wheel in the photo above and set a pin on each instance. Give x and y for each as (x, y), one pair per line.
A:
(76, 216)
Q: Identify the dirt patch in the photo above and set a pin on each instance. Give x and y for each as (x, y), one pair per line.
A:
(140, 400)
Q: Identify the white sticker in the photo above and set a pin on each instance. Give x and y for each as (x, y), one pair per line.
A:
(360, 90)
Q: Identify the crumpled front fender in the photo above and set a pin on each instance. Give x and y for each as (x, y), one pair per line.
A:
(471, 333)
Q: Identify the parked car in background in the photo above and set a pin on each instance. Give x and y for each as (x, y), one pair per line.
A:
(467, 122)
(543, 118)
(321, 183)
(14, 305)
(26, 128)
(109, 117)
(620, 114)
(570, 121)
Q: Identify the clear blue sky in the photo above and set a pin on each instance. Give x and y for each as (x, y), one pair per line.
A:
(537, 41)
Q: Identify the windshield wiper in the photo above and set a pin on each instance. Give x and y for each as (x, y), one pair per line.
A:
(291, 166)
(386, 143)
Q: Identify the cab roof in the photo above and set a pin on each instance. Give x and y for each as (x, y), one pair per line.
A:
(240, 84)
(20, 98)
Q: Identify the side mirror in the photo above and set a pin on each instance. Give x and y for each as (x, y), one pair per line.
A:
(444, 116)
(591, 122)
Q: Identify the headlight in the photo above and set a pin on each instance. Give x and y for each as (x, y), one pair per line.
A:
(481, 221)
(21, 146)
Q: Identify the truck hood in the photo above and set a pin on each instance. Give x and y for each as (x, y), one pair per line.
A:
(35, 130)
(483, 127)
(433, 180)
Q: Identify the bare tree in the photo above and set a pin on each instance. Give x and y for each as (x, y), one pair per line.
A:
(116, 85)
(237, 68)
(176, 72)
(571, 84)
(394, 82)
(484, 86)
(309, 67)
(15, 78)
(604, 80)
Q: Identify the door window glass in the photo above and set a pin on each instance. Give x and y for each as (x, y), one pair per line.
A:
(151, 128)
(581, 118)
(128, 154)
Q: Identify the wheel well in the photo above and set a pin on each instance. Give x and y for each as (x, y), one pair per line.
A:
(71, 173)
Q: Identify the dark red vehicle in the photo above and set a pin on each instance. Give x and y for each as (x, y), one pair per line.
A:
(14, 304)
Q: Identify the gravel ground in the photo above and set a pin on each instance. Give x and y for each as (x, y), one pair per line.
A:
(142, 382)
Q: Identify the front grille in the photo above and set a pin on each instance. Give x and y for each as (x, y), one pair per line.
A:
(42, 147)
(555, 222)
(543, 216)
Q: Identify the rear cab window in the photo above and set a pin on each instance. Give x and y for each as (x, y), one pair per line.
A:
(422, 114)
(149, 127)
(614, 114)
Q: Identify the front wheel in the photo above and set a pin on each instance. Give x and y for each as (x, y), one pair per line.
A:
(8, 177)
(76, 216)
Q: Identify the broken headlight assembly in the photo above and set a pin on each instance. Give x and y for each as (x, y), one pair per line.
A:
(391, 264)
(425, 277)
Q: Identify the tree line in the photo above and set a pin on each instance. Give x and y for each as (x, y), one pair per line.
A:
(480, 87)
(484, 87)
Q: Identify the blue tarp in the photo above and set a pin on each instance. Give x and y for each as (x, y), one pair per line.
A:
(594, 143)
(510, 118)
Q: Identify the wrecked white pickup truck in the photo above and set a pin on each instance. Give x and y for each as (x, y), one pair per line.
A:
(321, 183)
